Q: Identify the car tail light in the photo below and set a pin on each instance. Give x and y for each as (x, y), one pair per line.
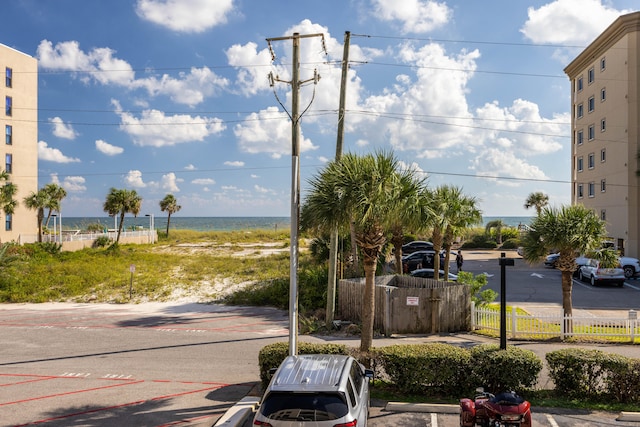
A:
(353, 423)
(261, 423)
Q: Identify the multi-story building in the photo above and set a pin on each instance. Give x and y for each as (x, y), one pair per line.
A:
(605, 96)
(19, 119)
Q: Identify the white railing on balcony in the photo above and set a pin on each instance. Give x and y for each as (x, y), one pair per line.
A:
(526, 326)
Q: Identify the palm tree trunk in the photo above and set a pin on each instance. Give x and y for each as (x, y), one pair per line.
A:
(120, 226)
(168, 220)
(368, 303)
(567, 307)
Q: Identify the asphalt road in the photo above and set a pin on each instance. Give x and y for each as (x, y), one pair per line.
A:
(184, 364)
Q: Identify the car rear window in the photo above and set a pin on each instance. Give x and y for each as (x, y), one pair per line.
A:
(304, 406)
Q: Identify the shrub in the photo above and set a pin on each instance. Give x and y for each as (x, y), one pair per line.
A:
(623, 378)
(480, 241)
(503, 370)
(95, 227)
(101, 242)
(272, 355)
(511, 244)
(424, 368)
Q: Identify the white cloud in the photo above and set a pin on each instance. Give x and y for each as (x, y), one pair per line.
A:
(252, 78)
(100, 65)
(155, 129)
(53, 154)
(268, 131)
(415, 16)
(236, 163)
(190, 167)
(62, 130)
(569, 22)
(203, 181)
(494, 162)
(108, 149)
(188, 16)
(169, 182)
(73, 184)
(134, 179)
(263, 190)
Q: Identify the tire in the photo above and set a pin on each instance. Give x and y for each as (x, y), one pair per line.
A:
(593, 281)
(629, 271)
(581, 276)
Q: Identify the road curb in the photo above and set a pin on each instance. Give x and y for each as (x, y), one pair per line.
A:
(629, 416)
(422, 407)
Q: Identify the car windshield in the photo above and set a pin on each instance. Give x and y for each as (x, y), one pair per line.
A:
(304, 406)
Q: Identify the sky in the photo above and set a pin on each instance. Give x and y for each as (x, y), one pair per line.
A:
(174, 96)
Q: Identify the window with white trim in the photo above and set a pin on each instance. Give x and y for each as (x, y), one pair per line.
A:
(592, 189)
(603, 185)
(591, 75)
(579, 110)
(591, 104)
(603, 64)
(579, 164)
(603, 155)
(592, 160)
(603, 94)
(592, 132)
(580, 137)
(603, 125)
(580, 191)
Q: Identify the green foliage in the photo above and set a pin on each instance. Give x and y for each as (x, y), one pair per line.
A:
(272, 355)
(431, 369)
(95, 227)
(512, 243)
(101, 241)
(478, 296)
(511, 369)
(594, 374)
(50, 247)
(480, 241)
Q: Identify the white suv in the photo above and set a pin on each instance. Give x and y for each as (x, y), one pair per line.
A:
(319, 390)
(596, 275)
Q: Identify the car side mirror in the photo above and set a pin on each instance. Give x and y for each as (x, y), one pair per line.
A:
(369, 374)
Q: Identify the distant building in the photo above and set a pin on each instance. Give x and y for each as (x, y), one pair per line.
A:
(19, 119)
(605, 97)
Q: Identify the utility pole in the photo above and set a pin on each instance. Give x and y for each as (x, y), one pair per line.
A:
(295, 178)
(333, 243)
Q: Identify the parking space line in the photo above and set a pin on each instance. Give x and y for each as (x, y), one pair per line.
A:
(552, 421)
(434, 420)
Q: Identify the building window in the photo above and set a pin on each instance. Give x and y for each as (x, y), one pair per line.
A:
(603, 64)
(8, 130)
(592, 160)
(603, 94)
(580, 163)
(8, 222)
(580, 191)
(580, 137)
(603, 185)
(592, 189)
(591, 75)
(603, 214)
(592, 132)
(7, 105)
(8, 77)
(579, 111)
(603, 155)
(591, 104)
(579, 84)
(603, 125)
(8, 163)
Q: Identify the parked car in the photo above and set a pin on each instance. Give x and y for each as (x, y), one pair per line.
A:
(595, 274)
(551, 260)
(416, 245)
(319, 390)
(427, 273)
(631, 266)
(419, 259)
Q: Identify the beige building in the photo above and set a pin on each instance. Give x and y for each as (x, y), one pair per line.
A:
(19, 120)
(605, 96)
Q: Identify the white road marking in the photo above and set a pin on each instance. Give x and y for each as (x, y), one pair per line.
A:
(434, 420)
(538, 275)
(552, 421)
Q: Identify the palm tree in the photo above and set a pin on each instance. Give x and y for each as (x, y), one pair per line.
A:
(122, 201)
(360, 190)
(571, 231)
(37, 201)
(465, 214)
(7, 193)
(539, 200)
(171, 206)
(498, 224)
(54, 194)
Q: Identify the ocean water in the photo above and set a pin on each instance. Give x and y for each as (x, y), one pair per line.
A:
(183, 223)
(223, 223)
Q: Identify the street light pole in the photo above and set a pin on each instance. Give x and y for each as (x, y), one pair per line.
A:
(151, 228)
(55, 233)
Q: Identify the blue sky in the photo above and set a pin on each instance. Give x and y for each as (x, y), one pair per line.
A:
(172, 96)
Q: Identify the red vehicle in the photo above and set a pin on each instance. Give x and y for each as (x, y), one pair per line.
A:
(502, 410)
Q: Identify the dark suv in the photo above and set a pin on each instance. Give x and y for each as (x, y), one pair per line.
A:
(416, 245)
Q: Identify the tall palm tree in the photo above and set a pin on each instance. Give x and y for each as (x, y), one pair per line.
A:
(54, 194)
(464, 215)
(121, 202)
(37, 201)
(360, 189)
(170, 205)
(538, 199)
(569, 230)
(496, 224)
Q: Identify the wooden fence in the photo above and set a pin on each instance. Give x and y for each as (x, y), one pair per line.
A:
(405, 304)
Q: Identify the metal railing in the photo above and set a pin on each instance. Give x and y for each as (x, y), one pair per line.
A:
(75, 237)
(526, 326)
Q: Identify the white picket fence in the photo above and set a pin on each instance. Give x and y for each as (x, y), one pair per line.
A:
(525, 326)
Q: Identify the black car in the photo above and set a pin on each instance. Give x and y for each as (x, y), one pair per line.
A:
(416, 245)
(420, 259)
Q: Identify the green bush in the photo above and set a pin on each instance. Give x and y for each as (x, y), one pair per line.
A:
(433, 369)
(272, 355)
(623, 379)
(480, 241)
(511, 244)
(500, 370)
(101, 242)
